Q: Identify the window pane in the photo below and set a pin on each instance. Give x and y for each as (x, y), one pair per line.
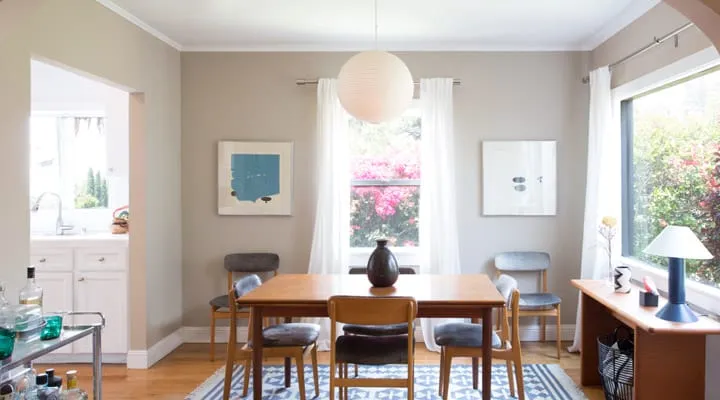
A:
(387, 152)
(389, 212)
(676, 169)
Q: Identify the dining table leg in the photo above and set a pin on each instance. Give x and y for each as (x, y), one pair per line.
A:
(257, 335)
(288, 361)
(487, 353)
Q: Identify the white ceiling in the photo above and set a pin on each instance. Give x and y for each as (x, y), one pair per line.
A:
(348, 25)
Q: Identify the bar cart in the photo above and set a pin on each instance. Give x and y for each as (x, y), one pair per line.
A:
(25, 353)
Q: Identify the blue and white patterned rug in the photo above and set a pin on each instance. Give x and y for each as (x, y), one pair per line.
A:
(542, 382)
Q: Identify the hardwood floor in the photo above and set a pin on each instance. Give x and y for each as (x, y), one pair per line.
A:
(184, 369)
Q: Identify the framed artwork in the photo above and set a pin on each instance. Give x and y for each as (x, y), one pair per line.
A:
(519, 177)
(255, 178)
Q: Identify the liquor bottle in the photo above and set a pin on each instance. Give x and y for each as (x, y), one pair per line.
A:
(73, 392)
(53, 381)
(31, 293)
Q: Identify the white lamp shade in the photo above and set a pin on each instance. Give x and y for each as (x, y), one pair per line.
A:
(375, 86)
(678, 242)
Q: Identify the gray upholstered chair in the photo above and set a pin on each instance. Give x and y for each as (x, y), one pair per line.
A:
(542, 304)
(289, 340)
(460, 339)
(376, 330)
(247, 263)
(371, 350)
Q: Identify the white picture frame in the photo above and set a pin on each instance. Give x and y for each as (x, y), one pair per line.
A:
(255, 178)
(519, 177)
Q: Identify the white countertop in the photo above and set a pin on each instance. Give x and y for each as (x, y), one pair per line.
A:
(104, 238)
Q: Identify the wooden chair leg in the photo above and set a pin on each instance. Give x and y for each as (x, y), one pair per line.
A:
(446, 373)
(511, 377)
(332, 380)
(300, 373)
(542, 329)
(212, 334)
(475, 372)
(345, 375)
(246, 377)
(340, 374)
(411, 380)
(559, 336)
(229, 364)
(356, 370)
(315, 370)
(442, 371)
(519, 377)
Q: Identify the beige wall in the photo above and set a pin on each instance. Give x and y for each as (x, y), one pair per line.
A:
(253, 96)
(85, 36)
(658, 22)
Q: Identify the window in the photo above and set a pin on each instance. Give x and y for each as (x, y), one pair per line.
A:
(671, 168)
(69, 157)
(385, 168)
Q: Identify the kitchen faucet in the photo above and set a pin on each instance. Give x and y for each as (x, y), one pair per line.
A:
(60, 226)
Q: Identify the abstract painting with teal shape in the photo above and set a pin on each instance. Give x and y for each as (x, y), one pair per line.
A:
(255, 176)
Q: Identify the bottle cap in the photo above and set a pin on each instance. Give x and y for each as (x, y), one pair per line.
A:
(72, 382)
(50, 373)
(41, 379)
(31, 271)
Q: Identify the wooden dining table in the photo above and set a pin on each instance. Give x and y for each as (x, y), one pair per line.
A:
(438, 296)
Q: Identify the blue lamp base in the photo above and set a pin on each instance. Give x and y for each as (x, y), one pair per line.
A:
(677, 313)
(676, 310)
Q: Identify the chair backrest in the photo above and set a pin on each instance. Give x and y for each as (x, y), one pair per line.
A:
(522, 261)
(363, 271)
(372, 310)
(245, 285)
(508, 287)
(252, 262)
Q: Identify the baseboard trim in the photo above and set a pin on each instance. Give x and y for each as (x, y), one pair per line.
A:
(80, 359)
(144, 359)
(528, 333)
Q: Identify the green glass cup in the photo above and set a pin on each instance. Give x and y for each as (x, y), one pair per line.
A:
(7, 342)
(53, 327)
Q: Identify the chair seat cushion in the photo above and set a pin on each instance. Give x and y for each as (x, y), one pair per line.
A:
(222, 302)
(461, 334)
(372, 350)
(376, 330)
(291, 334)
(538, 301)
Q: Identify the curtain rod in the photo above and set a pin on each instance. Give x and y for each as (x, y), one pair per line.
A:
(656, 41)
(303, 82)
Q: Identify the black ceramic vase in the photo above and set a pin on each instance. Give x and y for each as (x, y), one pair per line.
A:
(382, 266)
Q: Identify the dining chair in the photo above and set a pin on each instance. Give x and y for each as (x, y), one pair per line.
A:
(376, 330)
(459, 339)
(371, 350)
(248, 263)
(542, 304)
(286, 340)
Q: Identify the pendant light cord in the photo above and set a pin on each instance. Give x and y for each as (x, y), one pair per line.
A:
(376, 25)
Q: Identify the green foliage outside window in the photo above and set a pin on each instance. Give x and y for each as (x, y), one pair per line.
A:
(94, 191)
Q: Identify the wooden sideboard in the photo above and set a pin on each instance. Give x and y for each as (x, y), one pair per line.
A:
(669, 360)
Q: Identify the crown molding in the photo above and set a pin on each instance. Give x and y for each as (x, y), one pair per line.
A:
(627, 16)
(394, 47)
(140, 23)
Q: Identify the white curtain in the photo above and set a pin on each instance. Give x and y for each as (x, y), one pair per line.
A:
(331, 237)
(439, 252)
(602, 191)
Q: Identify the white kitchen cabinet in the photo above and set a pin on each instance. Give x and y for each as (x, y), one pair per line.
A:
(103, 292)
(57, 295)
(82, 274)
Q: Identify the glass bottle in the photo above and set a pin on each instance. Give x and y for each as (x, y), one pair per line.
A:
(31, 293)
(7, 325)
(73, 392)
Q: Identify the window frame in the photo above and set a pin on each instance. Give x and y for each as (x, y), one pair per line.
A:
(407, 256)
(705, 297)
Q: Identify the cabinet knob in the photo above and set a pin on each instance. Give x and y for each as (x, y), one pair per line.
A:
(101, 259)
(81, 279)
(42, 260)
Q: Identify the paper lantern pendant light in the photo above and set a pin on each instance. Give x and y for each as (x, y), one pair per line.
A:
(375, 86)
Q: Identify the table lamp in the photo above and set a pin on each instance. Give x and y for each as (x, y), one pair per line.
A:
(677, 243)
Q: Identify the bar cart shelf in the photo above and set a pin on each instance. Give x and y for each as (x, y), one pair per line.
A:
(25, 353)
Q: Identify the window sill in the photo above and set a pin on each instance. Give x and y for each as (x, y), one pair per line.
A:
(697, 294)
(406, 256)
